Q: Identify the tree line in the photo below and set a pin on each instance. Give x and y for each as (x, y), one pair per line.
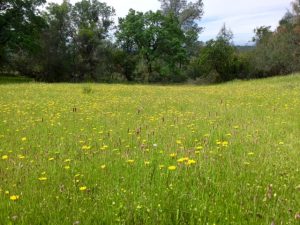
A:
(81, 42)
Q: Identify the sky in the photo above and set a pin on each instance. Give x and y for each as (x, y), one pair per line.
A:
(241, 16)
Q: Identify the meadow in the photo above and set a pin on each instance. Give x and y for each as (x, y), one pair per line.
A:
(139, 154)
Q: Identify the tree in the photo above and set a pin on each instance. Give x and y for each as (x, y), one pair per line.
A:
(92, 21)
(278, 52)
(262, 34)
(56, 42)
(20, 26)
(218, 57)
(189, 15)
(225, 35)
(157, 38)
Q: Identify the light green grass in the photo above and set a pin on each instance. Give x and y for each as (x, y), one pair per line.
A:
(235, 149)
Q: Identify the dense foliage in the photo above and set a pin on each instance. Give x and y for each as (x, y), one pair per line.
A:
(81, 42)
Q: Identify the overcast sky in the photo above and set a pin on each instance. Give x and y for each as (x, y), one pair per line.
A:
(240, 16)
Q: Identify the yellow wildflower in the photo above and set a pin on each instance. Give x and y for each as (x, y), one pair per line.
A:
(225, 143)
(86, 147)
(14, 197)
(171, 168)
(190, 162)
(83, 188)
(67, 167)
(173, 155)
(4, 157)
(21, 156)
(178, 142)
(181, 160)
(161, 166)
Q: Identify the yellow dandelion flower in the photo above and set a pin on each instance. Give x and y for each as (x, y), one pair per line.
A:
(199, 147)
(251, 153)
(67, 160)
(4, 157)
(225, 143)
(172, 168)
(191, 162)
(21, 156)
(130, 161)
(178, 142)
(103, 166)
(83, 188)
(43, 178)
(67, 167)
(86, 147)
(173, 155)
(181, 160)
(23, 138)
(161, 166)
(14, 197)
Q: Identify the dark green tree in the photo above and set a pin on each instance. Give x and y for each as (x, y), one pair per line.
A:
(157, 38)
(218, 57)
(92, 21)
(278, 52)
(20, 26)
(57, 44)
(189, 15)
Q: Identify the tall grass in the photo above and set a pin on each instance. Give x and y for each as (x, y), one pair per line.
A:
(225, 154)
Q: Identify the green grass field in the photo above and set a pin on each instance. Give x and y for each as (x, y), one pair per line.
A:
(133, 154)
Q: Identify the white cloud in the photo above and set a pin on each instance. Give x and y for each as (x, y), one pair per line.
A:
(240, 15)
